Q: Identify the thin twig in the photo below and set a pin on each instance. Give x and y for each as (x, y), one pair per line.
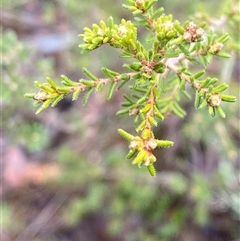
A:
(41, 220)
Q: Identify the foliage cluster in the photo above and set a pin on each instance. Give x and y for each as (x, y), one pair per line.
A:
(159, 73)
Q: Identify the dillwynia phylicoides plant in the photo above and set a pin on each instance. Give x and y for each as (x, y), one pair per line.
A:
(156, 76)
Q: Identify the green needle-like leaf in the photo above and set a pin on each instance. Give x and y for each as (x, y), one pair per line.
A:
(86, 96)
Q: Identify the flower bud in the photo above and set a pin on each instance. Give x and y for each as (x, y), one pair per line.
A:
(192, 32)
(136, 144)
(150, 144)
(139, 3)
(41, 95)
(215, 100)
(199, 32)
(146, 134)
(187, 37)
(150, 159)
(122, 31)
(215, 48)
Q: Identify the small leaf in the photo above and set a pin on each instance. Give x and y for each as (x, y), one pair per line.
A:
(141, 126)
(89, 74)
(198, 74)
(175, 41)
(126, 54)
(141, 90)
(76, 94)
(53, 96)
(164, 144)
(29, 95)
(204, 61)
(37, 83)
(146, 134)
(203, 104)
(193, 60)
(128, 99)
(162, 86)
(63, 89)
(182, 84)
(125, 76)
(68, 82)
(220, 88)
(158, 113)
(220, 111)
(60, 97)
(228, 98)
(46, 88)
(179, 28)
(122, 112)
(206, 82)
(44, 106)
(213, 81)
(141, 156)
(105, 40)
(140, 22)
(110, 22)
(146, 108)
(126, 104)
(152, 170)
(178, 110)
(184, 50)
(197, 101)
(149, 4)
(111, 89)
(159, 68)
(223, 55)
(211, 37)
(136, 66)
(211, 111)
(209, 58)
(131, 154)
(142, 100)
(86, 96)
(122, 83)
(51, 82)
(136, 12)
(152, 121)
(223, 38)
(103, 25)
(39, 110)
(125, 135)
(186, 94)
(195, 46)
(157, 13)
(37, 103)
(99, 86)
(170, 53)
(136, 96)
(97, 40)
(88, 83)
(109, 73)
(129, 7)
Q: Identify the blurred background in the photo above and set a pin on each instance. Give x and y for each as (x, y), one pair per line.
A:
(64, 173)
